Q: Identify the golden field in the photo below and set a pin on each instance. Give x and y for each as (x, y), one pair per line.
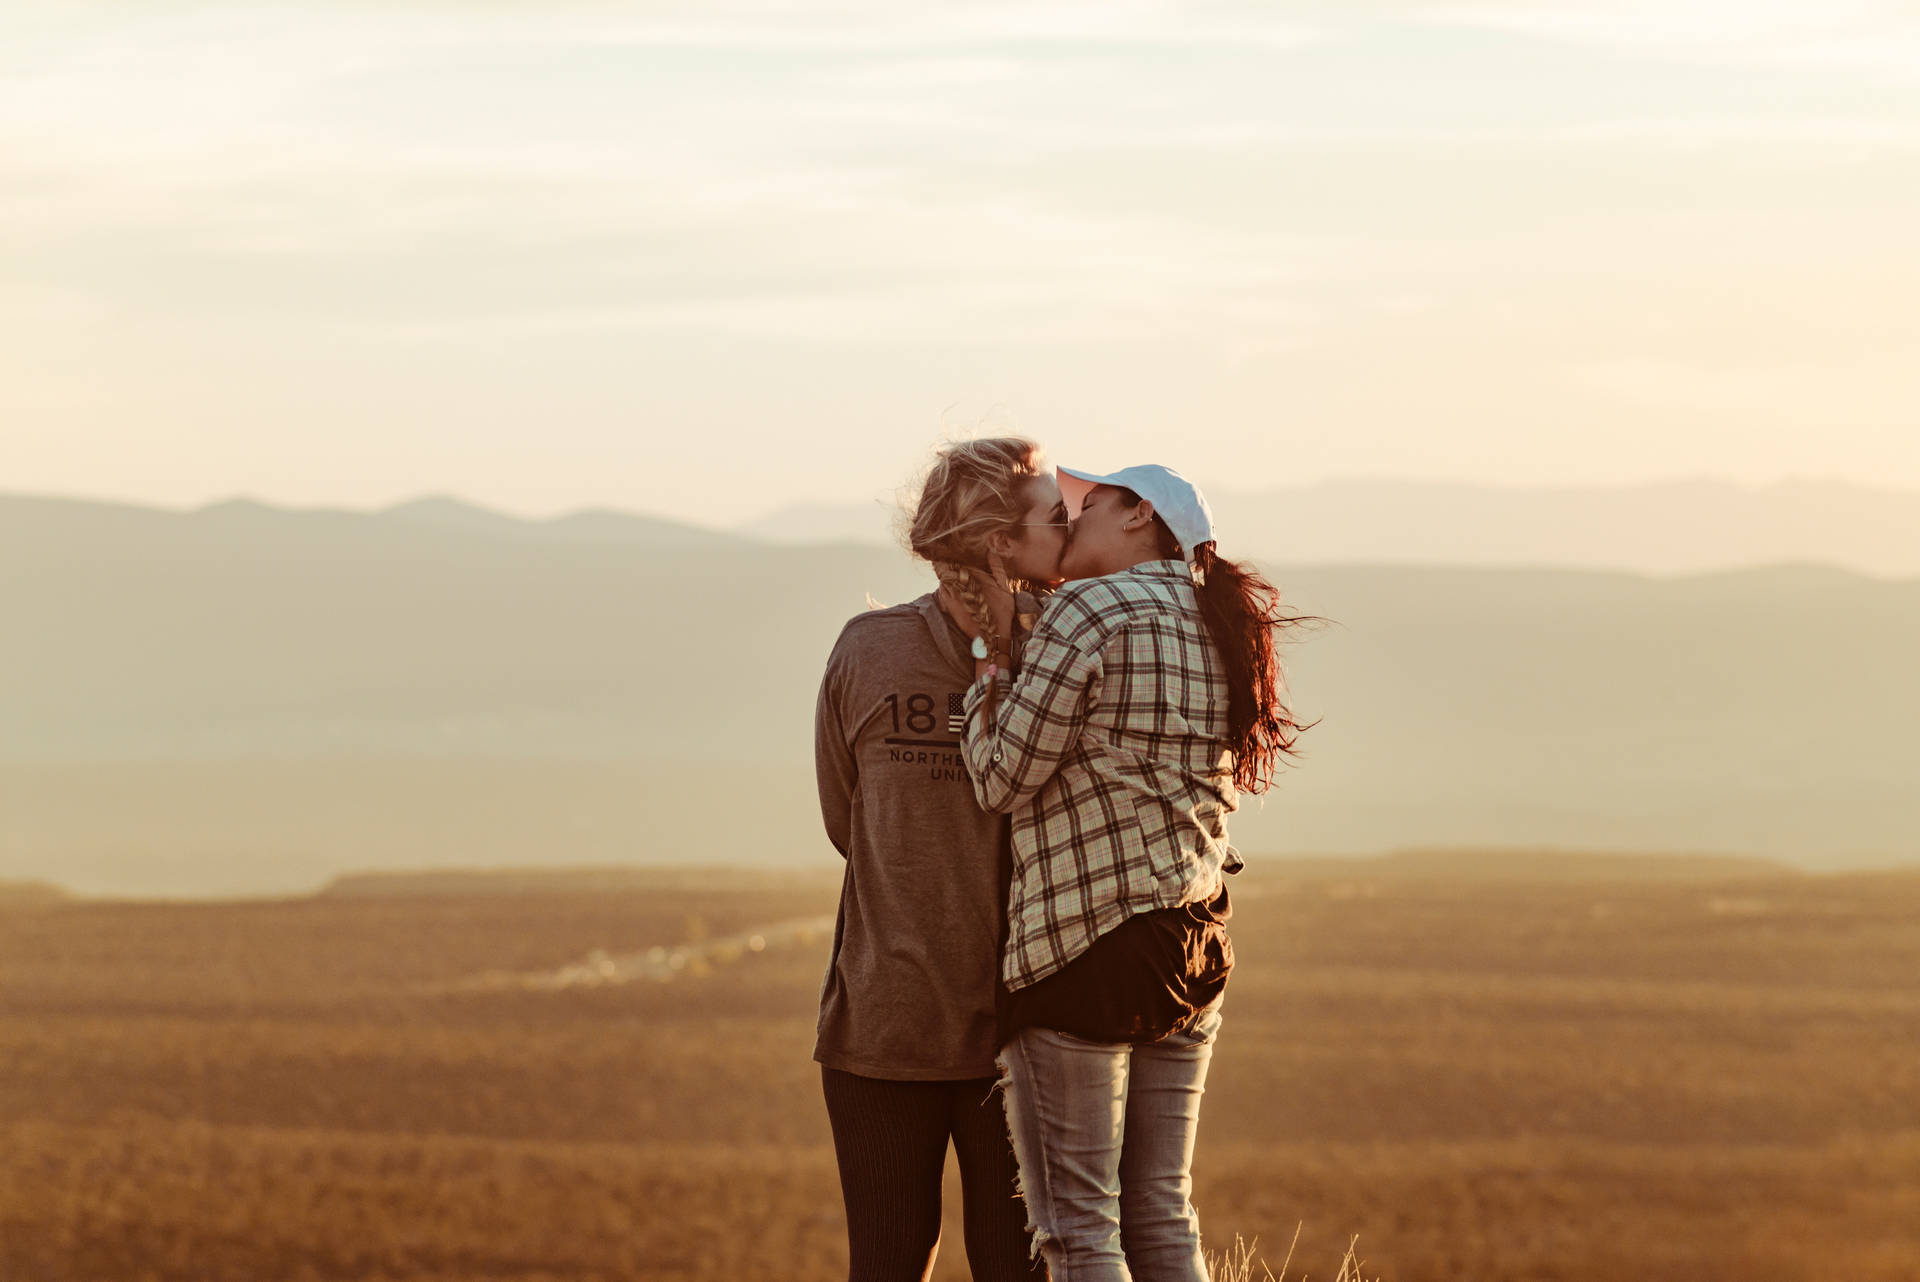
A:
(1525, 1067)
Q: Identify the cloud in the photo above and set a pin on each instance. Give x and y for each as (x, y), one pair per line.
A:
(859, 172)
(1876, 35)
(1818, 396)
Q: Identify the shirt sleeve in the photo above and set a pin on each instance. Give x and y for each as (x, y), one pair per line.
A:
(1026, 606)
(1037, 719)
(836, 770)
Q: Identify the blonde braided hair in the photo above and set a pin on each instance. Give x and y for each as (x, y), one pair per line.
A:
(971, 491)
(964, 583)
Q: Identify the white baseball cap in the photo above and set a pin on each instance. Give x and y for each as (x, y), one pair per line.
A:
(1175, 499)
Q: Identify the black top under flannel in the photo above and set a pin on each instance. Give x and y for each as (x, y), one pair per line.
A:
(1142, 981)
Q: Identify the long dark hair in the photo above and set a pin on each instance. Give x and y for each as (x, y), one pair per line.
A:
(1245, 621)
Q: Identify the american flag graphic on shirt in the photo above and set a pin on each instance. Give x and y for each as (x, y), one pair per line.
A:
(956, 713)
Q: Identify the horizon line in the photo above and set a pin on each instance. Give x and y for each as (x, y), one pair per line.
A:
(456, 500)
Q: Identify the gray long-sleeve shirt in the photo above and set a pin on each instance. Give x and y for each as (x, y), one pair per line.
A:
(909, 993)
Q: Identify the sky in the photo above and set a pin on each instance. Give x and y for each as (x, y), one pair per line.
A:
(709, 259)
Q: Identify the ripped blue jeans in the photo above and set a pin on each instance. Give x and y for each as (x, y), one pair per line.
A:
(1103, 1135)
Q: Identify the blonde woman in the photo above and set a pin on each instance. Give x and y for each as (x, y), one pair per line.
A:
(907, 1028)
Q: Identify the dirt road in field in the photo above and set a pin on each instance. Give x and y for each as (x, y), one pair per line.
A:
(659, 965)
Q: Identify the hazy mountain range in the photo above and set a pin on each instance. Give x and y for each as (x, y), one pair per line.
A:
(1676, 527)
(247, 699)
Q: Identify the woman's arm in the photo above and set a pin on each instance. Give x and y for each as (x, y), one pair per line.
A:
(1036, 719)
(835, 768)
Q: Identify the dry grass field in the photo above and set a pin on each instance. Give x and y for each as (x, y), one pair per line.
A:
(1487, 1069)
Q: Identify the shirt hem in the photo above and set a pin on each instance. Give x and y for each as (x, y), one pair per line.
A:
(897, 1073)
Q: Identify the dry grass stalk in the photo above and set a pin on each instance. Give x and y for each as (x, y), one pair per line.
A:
(1235, 1264)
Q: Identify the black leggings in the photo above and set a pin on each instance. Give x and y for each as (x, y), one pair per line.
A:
(891, 1141)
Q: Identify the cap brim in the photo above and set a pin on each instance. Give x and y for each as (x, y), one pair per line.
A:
(1075, 485)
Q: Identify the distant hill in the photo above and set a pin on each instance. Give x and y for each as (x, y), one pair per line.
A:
(416, 527)
(1678, 527)
(20, 894)
(1468, 866)
(250, 699)
(610, 879)
(1460, 867)
(868, 523)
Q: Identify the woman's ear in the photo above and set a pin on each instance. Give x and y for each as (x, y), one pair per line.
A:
(1000, 542)
(1141, 516)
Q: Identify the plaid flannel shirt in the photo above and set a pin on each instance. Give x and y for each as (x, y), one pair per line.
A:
(1109, 749)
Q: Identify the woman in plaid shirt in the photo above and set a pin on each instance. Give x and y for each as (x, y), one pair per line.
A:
(1148, 696)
